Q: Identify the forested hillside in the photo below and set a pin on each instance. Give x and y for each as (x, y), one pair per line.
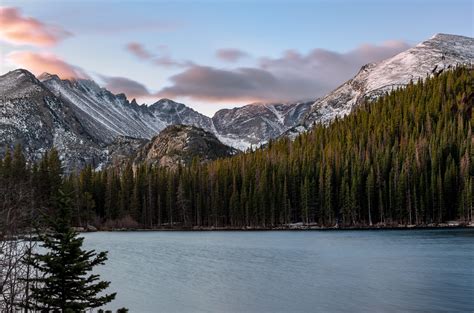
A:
(403, 159)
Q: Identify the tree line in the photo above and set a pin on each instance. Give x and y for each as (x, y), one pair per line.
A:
(404, 159)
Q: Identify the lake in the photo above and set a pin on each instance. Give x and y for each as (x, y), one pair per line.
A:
(290, 271)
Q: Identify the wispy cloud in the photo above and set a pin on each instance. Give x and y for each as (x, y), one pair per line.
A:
(231, 55)
(208, 83)
(131, 88)
(160, 59)
(18, 29)
(138, 50)
(118, 26)
(293, 76)
(40, 62)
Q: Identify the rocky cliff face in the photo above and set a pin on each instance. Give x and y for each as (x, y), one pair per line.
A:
(180, 145)
(121, 151)
(108, 116)
(33, 116)
(255, 124)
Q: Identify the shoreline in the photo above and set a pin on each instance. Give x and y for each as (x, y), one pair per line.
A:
(268, 229)
(281, 228)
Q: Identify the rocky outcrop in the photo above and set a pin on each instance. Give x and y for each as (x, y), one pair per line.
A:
(180, 145)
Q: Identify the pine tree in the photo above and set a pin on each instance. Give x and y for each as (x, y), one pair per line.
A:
(65, 283)
(370, 192)
(305, 200)
(183, 203)
(54, 174)
(234, 203)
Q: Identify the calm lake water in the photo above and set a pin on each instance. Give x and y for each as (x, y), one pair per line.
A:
(300, 271)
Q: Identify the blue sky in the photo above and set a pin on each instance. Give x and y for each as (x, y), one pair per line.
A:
(269, 50)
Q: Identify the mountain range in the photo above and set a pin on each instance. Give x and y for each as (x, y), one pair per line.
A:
(90, 125)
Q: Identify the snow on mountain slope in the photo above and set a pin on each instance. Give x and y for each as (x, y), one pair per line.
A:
(104, 114)
(34, 117)
(173, 113)
(430, 57)
(110, 115)
(255, 124)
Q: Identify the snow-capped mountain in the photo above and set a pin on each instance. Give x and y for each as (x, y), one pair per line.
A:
(85, 122)
(89, 124)
(107, 116)
(30, 114)
(430, 57)
(255, 124)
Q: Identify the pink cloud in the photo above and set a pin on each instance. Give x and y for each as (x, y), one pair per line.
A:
(18, 29)
(139, 51)
(231, 55)
(291, 77)
(39, 63)
(131, 88)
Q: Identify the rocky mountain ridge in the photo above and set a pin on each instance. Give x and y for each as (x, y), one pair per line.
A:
(97, 123)
(431, 57)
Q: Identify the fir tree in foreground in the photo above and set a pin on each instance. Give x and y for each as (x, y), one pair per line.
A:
(65, 283)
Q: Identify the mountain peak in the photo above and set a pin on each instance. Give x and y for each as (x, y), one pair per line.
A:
(444, 36)
(167, 104)
(165, 101)
(47, 76)
(18, 83)
(449, 43)
(20, 74)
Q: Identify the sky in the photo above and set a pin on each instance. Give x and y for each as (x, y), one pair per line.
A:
(218, 54)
